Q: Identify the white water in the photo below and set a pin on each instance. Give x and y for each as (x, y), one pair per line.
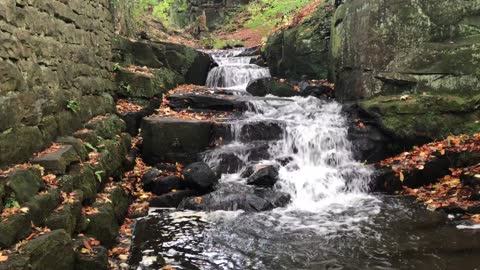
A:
(323, 172)
(233, 71)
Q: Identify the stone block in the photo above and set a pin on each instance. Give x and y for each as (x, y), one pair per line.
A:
(57, 162)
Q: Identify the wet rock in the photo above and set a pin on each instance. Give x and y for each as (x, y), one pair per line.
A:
(229, 163)
(199, 176)
(97, 259)
(24, 183)
(271, 86)
(166, 184)
(262, 131)
(470, 179)
(232, 197)
(174, 140)
(263, 176)
(57, 162)
(252, 51)
(384, 180)
(172, 199)
(206, 101)
(14, 228)
(319, 91)
(148, 178)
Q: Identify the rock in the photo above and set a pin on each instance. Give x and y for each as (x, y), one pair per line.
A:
(172, 199)
(42, 205)
(107, 127)
(163, 185)
(263, 176)
(271, 86)
(103, 225)
(384, 180)
(14, 228)
(58, 161)
(88, 136)
(120, 202)
(81, 178)
(66, 218)
(148, 179)
(97, 259)
(252, 51)
(24, 183)
(424, 58)
(207, 101)
(53, 251)
(199, 176)
(174, 140)
(250, 132)
(232, 197)
(141, 85)
(133, 120)
(79, 146)
(319, 91)
(302, 50)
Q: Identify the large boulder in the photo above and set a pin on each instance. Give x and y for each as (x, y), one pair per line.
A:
(263, 176)
(392, 47)
(302, 49)
(199, 176)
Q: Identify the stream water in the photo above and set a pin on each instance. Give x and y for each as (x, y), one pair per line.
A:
(332, 221)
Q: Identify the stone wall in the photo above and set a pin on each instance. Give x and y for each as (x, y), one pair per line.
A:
(55, 71)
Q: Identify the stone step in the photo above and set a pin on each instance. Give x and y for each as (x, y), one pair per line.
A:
(182, 140)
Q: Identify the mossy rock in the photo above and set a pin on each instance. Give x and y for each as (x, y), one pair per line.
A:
(107, 127)
(53, 251)
(270, 86)
(79, 146)
(120, 202)
(97, 259)
(14, 228)
(88, 136)
(81, 178)
(24, 183)
(66, 218)
(57, 162)
(19, 143)
(421, 118)
(103, 224)
(42, 205)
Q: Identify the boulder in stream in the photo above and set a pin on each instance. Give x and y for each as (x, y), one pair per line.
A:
(199, 176)
(233, 196)
(271, 86)
(263, 176)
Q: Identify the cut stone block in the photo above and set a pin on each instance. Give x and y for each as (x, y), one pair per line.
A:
(57, 162)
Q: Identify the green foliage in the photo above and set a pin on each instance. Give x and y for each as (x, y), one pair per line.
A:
(73, 106)
(12, 202)
(98, 174)
(158, 9)
(91, 147)
(116, 67)
(271, 13)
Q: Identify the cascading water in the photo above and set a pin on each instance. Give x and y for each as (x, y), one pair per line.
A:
(234, 71)
(331, 222)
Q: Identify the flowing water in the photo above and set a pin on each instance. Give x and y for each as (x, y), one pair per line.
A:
(332, 221)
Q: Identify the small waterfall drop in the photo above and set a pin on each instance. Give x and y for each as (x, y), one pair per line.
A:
(234, 71)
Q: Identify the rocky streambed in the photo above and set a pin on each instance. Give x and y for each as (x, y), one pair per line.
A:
(275, 183)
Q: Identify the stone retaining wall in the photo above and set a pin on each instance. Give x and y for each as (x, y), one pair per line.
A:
(55, 71)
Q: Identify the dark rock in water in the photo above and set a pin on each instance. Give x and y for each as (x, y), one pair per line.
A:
(264, 176)
(207, 101)
(259, 61)
(384, 180)
(199, 176)
(271, 86)
(172, 199)
(284, 160)
(232, 197)
(318, 91)
(261, 131)
(163, 185)
(148, 178)
(174, 140)
(369, 141)
(229, 163)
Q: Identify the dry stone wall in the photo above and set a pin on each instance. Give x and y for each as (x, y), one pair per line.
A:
(55, 71)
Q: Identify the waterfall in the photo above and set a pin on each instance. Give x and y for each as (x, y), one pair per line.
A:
(234, 71)
(322, 170)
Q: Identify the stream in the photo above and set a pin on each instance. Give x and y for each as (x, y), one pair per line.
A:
(332, 221)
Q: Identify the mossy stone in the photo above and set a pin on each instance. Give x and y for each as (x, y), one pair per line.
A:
(24, 183)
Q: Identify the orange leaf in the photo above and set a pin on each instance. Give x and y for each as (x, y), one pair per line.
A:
(86, 244)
